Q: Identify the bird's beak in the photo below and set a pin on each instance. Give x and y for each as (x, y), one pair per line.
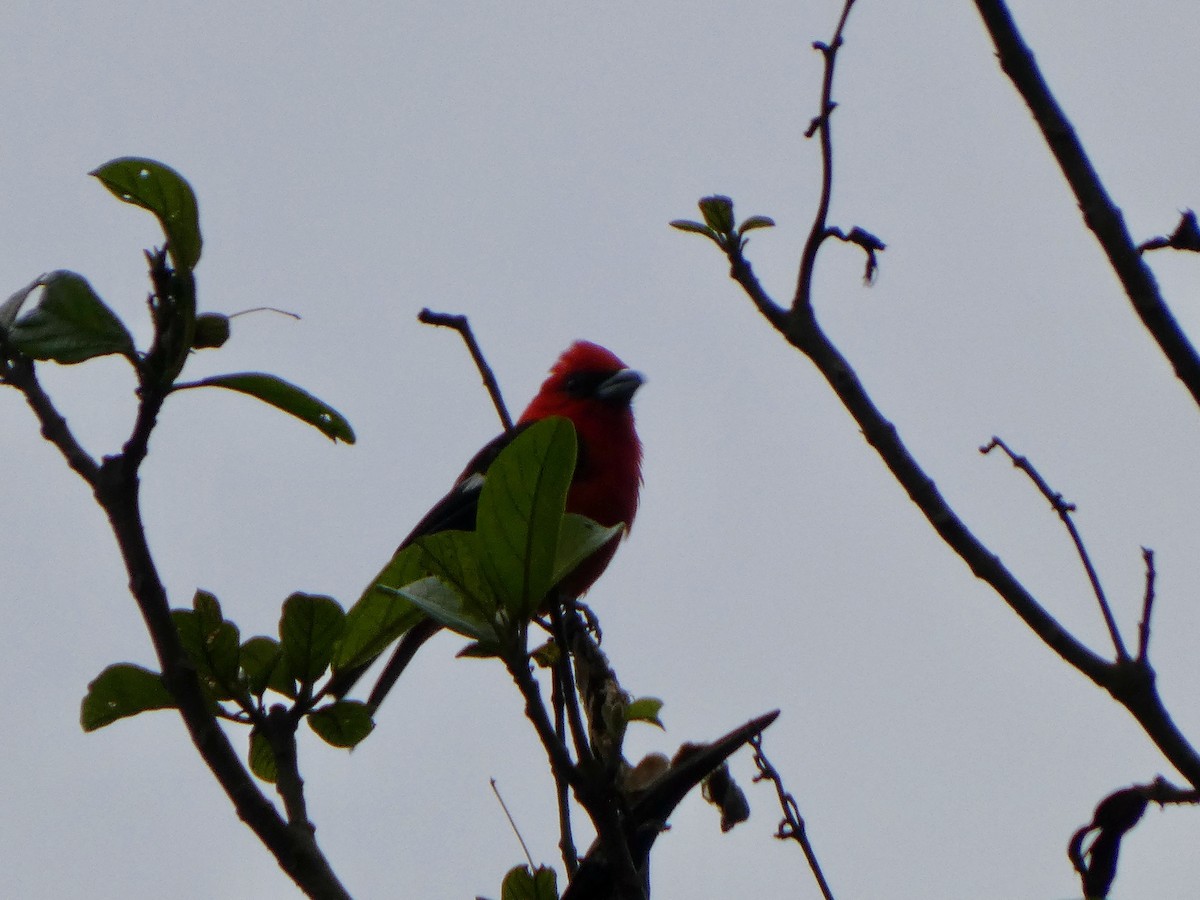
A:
(620, 387)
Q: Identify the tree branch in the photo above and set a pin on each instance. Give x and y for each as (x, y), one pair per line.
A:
(460, 324)
(792, 826)
(1064, 510)
(1099, 212)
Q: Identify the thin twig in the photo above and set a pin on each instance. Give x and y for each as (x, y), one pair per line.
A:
(792, 826)
(22, 375)
(1064, 510)
(820, 126)
(564, 674)
(460, 324)
(512, 824)
(566, 839)
(1147, 607)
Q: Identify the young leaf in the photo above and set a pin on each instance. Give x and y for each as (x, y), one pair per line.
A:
(520, 514)
(69, 324)
(644, 709)
(212, 644)
(262, 757)
(578, 539)
(521, 884)
(164, 192)
(694, 227)
(342, 724)
(444, 604)
(122, 690)
(308, 629)
(718, 213)
(259, 658)
(756, 222)
(285, 396)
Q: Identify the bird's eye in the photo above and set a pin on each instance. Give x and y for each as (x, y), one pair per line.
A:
(580, 384)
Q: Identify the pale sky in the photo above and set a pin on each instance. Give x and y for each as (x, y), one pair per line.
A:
(519, 163)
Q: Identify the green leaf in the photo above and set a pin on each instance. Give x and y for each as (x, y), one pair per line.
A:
(521, 884)
(695, 227)
(262, 757)
(122, 690)
(380, 616)
(342, 724)
(756, 222)
(12, 306)
(444, 604)
(644, 709)
(520, 514)
(454, 557)
(212, 644)
(259, 657)
(212, 330)
(308, 629)
(164, 192)
(69, 324)
(718, 213)
(578, 539)
(285, 396)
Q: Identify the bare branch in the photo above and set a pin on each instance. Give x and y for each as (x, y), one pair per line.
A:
(1186, 236)
(820, 126)
(1099, 212)
(791, 827)
(1064, 510)
(22, 375)
(1143, 654)
(460, 324)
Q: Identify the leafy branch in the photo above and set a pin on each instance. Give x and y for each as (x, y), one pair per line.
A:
(198, 651)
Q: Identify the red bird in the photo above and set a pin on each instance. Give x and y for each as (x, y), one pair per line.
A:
(594, 389)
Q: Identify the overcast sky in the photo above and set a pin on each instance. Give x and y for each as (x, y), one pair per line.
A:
(519, 163)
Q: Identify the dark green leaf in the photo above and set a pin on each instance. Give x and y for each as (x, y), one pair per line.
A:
(520, 514)
(308, 629)
(689, 225)
(379, 616)
(444, 604)
(212, 330)
(287, 397)
(479, 650)
(164, 192)
(644, 709)
(342, 724)
(521, 884)
(259, 657)
(578, 539)
(756, 222)
(12, 306)
(262, 757)
(718, 213)
(207, 608)
(122, 690)
(69, 324)
(212, 644)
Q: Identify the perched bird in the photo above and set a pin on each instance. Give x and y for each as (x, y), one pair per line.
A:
(594, 389)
